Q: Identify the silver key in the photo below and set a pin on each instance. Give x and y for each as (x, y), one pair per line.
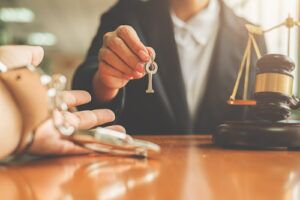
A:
(151, 69)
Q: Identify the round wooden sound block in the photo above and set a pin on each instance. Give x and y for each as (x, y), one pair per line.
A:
(258, 135)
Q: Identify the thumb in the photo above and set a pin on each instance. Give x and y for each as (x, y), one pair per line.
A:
(15, 56)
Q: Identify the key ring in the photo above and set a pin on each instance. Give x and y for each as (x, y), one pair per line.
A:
(152, 68)
(150, 63)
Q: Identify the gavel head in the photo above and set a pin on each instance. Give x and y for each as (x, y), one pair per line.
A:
(273, 87)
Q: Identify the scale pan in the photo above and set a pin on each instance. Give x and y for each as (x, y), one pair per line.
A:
(241, 102)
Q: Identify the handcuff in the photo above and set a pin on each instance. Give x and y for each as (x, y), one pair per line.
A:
(100, 140)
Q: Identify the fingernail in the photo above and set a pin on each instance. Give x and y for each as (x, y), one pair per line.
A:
(111, 115)
(144, 55)
(140, 68)
(128, 77)
(138, 75)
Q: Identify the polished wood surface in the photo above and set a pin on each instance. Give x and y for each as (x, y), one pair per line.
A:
(190, 167)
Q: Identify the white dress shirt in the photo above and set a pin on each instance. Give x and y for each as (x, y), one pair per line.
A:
(195, 41)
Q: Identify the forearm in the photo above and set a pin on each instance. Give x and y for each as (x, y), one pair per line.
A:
(11, 123)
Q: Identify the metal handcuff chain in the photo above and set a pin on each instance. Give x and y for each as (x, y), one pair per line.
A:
(101, 140)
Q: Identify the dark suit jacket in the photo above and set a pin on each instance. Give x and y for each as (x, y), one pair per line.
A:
(166, 112)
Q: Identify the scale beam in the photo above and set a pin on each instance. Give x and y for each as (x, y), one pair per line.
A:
(289, 23)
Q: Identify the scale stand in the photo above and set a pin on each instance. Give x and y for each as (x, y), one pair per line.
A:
(258, 135)
(272, 104)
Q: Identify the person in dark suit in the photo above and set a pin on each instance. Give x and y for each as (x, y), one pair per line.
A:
(198, 45)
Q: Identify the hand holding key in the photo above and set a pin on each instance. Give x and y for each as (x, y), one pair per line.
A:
(121, 59)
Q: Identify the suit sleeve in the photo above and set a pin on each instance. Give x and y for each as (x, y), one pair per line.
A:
(84, 74)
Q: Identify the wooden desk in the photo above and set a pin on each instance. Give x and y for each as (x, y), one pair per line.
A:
(189, 168)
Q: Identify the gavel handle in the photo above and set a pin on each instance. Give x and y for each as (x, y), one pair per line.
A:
(295, 103)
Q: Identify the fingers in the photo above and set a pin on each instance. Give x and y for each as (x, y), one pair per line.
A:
(37, 54)
(106, 69)
(48, 141)
(151, 52)
(124, 51)
(117, 128)
(76, 97)
(110, 77)
(90, 119)
(19, 56)
(129, 35)
(70, 148)
(122, 58)
(57, 146)
(119, 47)
(115, 62)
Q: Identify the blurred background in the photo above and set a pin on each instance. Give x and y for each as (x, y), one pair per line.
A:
(65, 27)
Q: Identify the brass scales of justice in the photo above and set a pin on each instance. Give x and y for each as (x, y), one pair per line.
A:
(271, 126)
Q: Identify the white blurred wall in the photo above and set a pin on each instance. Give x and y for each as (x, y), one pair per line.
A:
(268, 13)
(74, 23)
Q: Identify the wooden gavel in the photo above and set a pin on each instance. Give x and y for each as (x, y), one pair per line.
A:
(274, 88)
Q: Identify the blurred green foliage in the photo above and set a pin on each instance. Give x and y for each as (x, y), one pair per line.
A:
(4, 36)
